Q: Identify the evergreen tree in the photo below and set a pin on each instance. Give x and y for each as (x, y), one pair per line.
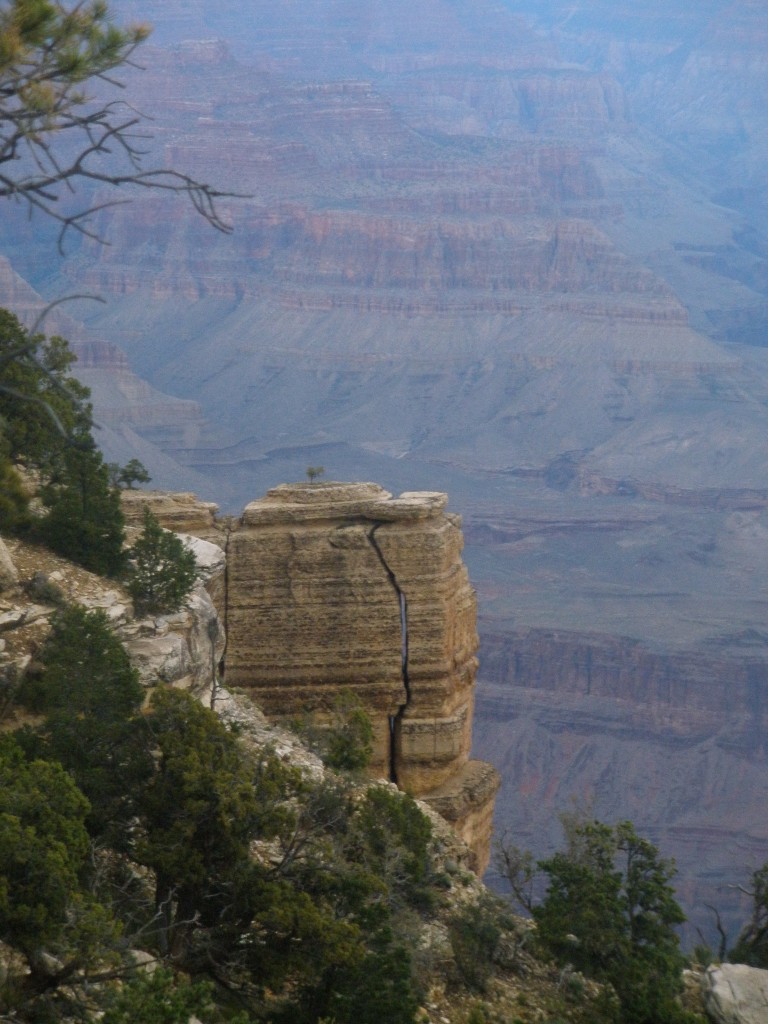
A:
(46, 918)
(610, 911)
(91, 698)
(161, 571)
(199, 813)
(46, 425)
(390, 836)
(85, 521)
(133, 472)
(40, 402)
(43, 843)
(43, 409)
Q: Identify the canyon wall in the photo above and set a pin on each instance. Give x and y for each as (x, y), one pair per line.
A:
(612, 728)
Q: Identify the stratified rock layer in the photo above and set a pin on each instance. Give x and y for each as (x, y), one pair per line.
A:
(342, 586)
(179, 512)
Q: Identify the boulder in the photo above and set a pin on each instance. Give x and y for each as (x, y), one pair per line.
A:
(9, 577)
(736, 994)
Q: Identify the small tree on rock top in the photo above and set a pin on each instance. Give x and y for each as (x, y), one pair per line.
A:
(133, 472)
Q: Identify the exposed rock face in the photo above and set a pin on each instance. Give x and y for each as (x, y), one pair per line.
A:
(736, 994)
(181, 649)
(179, 512)
(124, 400)
(18, 296)
(342, 586)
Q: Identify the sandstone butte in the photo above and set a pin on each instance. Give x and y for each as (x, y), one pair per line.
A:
(337, 587)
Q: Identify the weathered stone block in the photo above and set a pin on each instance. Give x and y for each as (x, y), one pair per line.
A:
(341, 586)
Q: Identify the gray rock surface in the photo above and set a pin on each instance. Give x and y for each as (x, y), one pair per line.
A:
(736, 994)
(180, 649)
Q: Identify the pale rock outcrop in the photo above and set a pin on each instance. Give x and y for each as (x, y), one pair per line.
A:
(210, 558)
(181, 512)
(736, 994)
(211, 565)
(466, 801)
(342, 587)
(182, 649)
(9, 577)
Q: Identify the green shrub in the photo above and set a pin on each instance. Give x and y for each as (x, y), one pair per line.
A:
(14, 504)
(161, 572)
(475, 933)
(91, 698)
(391, 837)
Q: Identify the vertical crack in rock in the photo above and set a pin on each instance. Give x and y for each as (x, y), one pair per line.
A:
(395, 720)
(225, 610)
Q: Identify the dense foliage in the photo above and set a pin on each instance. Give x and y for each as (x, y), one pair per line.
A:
(91, 699)
(160, 827)
(267, 895)
(84, 521)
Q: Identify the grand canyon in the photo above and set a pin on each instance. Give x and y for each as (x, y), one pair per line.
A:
(515, 252)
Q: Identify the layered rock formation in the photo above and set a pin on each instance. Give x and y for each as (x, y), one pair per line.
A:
(180, 512)
(342, 586)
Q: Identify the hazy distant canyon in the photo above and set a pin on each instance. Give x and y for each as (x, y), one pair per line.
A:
(513, 251)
